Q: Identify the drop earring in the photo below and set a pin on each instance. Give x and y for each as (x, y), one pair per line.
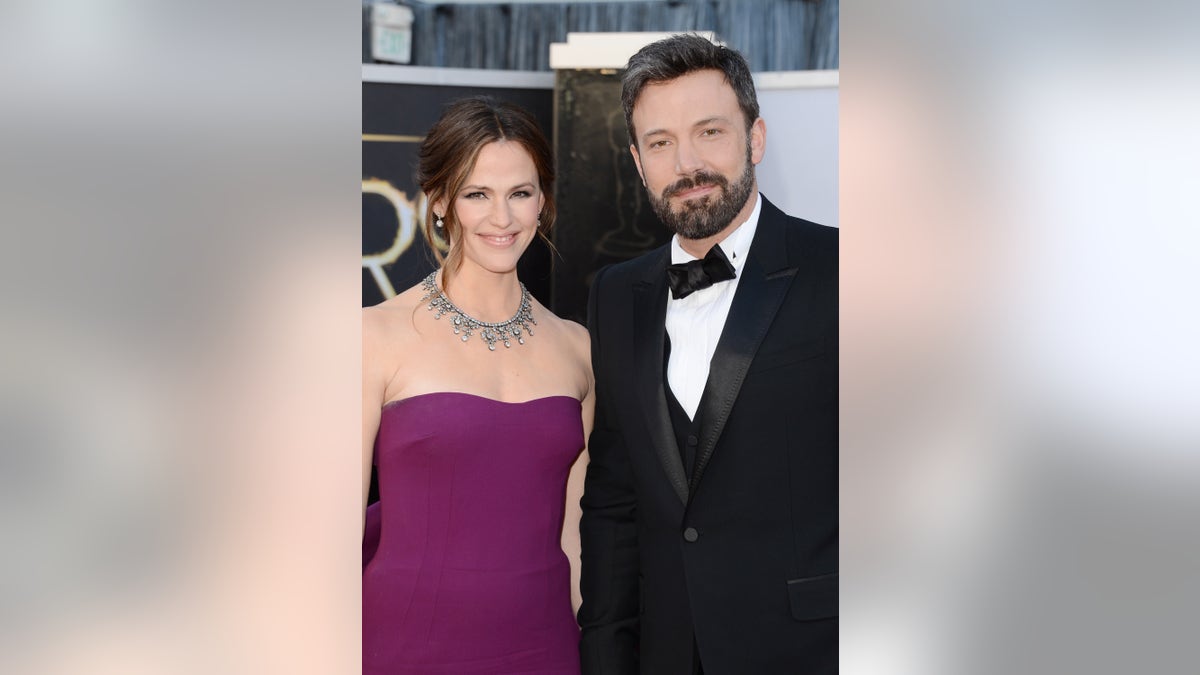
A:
(438, 222)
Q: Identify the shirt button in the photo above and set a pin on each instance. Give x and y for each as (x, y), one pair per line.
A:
(692, 440)
(690, 534)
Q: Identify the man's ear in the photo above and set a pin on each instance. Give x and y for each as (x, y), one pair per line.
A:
(758, 140)
(637, 160)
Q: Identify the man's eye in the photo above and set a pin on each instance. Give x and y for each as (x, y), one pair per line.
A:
(711, 132)
(658, 144)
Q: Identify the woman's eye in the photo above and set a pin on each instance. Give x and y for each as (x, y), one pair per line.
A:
(520, 193)
(474, 195)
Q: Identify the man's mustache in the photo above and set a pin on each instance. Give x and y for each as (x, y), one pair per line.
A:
(699, 179)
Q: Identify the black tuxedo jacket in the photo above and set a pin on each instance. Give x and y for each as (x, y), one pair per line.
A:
(737, 562)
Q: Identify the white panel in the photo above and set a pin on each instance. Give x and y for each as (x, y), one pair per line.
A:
(799, 172)
(457, 77)
(604, 50)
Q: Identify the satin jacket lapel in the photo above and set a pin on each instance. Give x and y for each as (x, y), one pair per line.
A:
(766, 278)
(650, 311)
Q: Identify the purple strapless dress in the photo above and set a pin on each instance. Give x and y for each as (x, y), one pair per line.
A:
(463, 567)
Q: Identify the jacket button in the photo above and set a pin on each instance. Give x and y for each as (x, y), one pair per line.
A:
(690, 534)
(692, 440)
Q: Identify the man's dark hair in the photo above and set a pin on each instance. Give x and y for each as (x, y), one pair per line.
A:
(679, 55)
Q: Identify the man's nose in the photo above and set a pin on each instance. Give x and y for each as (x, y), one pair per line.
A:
(687, 160)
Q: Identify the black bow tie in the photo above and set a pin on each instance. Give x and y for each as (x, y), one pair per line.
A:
(689, 277)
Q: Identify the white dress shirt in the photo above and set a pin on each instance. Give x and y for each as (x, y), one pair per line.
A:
(695, 323)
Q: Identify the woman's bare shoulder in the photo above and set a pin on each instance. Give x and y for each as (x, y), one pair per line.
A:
(572, 335)
(580, 339)
(579, 345)
(392, 319)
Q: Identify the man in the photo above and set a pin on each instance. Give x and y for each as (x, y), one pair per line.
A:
(710, 512)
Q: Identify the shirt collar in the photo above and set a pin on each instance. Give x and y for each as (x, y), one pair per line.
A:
(736, 246)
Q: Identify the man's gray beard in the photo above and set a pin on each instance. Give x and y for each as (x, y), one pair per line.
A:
(705, 217)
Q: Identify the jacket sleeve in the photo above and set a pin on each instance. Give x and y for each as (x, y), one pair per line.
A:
(609, 582)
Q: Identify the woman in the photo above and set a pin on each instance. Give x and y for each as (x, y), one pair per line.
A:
(477, 401)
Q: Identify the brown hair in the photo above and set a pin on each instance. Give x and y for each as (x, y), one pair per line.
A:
(448, 154)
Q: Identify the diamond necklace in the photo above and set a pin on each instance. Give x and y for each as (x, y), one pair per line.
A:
(466, 325)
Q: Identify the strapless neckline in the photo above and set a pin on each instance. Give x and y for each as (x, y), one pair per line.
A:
(415, 397)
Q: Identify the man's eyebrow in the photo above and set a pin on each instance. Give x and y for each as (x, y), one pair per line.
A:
(652, 132)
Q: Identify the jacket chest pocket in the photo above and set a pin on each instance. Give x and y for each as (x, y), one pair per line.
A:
(787, 355)
(814, 597)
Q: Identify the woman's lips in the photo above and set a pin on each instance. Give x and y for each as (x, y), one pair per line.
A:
(500, 240)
